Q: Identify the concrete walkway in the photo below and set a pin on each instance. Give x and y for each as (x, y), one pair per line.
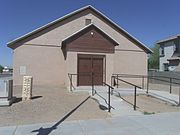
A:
(158, 124)
(165, 96)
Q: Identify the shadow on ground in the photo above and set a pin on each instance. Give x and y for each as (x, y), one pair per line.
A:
(102, 107)
(119, 95)
(19, 99)
(47, 131)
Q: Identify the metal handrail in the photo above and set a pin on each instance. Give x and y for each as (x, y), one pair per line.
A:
(110, 88)
(108, 85)
(128, 82)
(171, 82)
(87, 74)
(138, 76)
(135, 88)
(152, 77)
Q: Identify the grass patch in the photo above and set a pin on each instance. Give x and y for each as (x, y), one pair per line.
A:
(148, 113)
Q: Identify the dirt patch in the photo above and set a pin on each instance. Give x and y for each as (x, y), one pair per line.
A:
(50, 104)
(151, 105)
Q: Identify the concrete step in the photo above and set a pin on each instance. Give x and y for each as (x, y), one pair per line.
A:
(6, 101)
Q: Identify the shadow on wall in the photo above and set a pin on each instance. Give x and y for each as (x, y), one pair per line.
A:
(46, 131)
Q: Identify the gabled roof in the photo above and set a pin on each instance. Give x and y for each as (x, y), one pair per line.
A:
(141, 45)
(168, 39)
(90, 26)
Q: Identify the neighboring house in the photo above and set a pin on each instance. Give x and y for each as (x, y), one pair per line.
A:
(169, 54)
(6, 70)
(84, 42)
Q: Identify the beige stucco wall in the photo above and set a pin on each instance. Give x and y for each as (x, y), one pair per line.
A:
(131, 62)
(45, 64)
(44, 60)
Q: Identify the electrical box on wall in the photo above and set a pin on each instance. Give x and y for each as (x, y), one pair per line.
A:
(22, 70)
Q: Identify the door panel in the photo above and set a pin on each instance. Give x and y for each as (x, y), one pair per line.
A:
(97, 71)
(84, 71)
(88, 66)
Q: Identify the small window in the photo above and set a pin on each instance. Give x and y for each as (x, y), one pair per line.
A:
(176, 48)
(166, 65)
(87, 21)
(162, 50)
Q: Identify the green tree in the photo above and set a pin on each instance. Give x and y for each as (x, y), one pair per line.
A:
(1, 69)
(153, 61)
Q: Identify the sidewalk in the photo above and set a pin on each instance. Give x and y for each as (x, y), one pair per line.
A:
(158, 124)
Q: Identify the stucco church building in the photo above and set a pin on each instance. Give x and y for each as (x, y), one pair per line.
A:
(83, 43)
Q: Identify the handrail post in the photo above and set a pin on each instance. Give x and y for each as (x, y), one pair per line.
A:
(92, 83)
(70, 78)
(147, 85)
(142, 82)
(135, 98)
(170, 85)
(117, 80)
(114, 81)
(179, 97)
(109, 98)
(71, 82)
(111, 80)
(112, 91)
(92, 75)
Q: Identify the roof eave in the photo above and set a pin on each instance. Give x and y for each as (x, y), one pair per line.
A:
(148, 50)
(45, 26)
(167, 40)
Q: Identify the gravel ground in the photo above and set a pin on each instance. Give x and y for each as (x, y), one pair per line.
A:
(149, 104)
(50, 105)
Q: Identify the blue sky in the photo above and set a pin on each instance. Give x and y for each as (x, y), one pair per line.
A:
(147, 20)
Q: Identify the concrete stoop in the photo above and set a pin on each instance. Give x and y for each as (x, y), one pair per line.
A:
(6, 101)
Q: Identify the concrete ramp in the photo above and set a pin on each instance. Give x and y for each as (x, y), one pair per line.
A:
(118, 106)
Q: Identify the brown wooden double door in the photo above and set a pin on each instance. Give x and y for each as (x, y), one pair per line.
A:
(90, 70)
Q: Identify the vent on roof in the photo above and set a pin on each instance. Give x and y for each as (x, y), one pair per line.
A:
(87, 21)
